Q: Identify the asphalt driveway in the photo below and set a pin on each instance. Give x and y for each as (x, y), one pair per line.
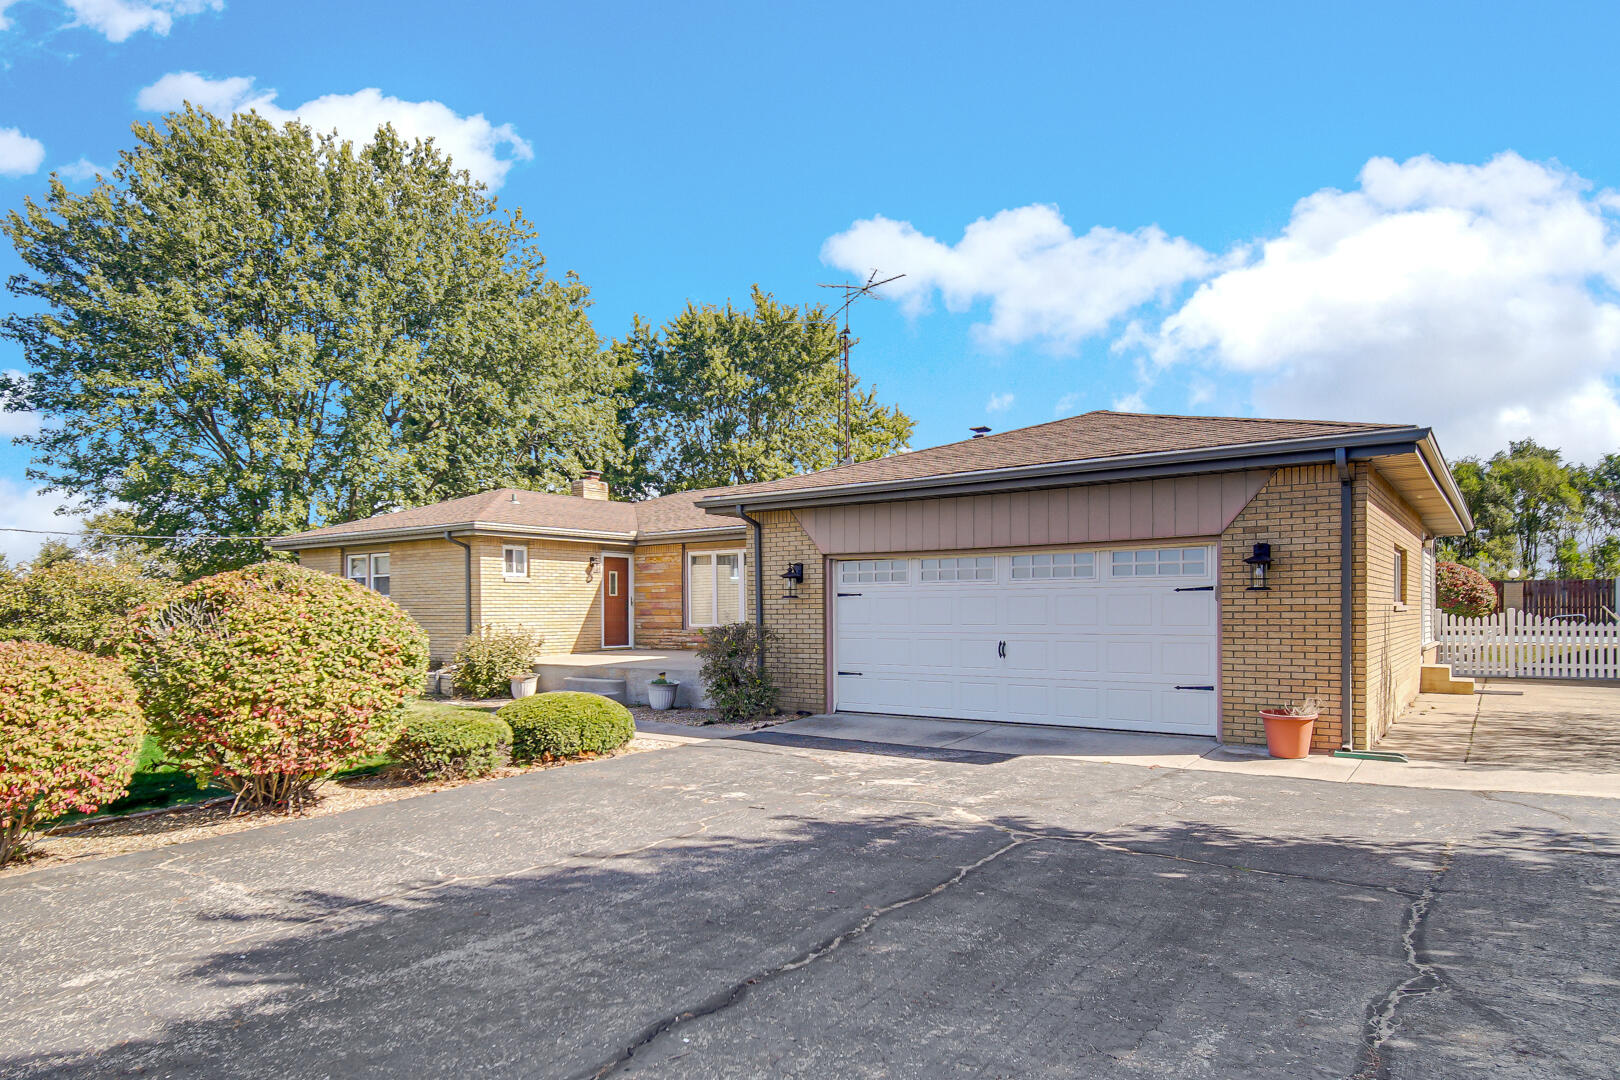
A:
(748, 909)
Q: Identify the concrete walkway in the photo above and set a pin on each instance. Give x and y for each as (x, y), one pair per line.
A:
(1540, 737)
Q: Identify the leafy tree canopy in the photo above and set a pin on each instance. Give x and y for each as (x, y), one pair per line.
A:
(731, 396)
(255, 330)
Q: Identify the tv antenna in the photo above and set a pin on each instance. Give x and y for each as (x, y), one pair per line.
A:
(852, 292)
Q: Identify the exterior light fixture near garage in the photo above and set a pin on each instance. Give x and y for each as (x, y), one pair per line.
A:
(1259, 567)
(794, 576)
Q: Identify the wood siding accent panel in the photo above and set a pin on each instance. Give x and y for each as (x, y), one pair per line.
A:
(1123, 512)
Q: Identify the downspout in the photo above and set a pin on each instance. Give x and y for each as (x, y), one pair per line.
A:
(466, 547)
(1347, 580)
(759, 581)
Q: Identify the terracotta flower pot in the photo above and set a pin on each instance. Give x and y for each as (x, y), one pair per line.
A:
(1288, 736)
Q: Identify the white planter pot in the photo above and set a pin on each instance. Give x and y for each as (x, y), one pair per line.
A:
(524, 686)
(661, 696)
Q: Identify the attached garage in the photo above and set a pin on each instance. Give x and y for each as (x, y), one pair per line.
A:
(1098, 637)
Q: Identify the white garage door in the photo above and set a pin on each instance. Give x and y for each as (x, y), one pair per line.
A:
(1109, 639)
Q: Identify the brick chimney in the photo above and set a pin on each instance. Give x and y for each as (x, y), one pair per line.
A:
(591, 485)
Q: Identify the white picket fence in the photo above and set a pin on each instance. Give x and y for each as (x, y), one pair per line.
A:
(1513, 644)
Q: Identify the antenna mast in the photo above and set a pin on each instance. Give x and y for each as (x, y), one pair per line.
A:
(852, 292)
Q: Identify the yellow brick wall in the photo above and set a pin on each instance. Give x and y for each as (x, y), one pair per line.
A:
(427, 579)
(797, 659)
(556, 600)
(660, 594)
(1281, 645)
(1389, 635)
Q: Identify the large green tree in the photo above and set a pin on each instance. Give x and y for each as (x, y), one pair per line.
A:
(1526, 501)
(253, 330)
(725, 395)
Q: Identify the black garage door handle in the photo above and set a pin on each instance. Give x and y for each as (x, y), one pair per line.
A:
(1196, 588)
(849, 673)
(1195, 688)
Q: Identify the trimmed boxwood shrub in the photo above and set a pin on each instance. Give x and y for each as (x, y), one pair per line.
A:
(70, 733)
(268, 678)
(1463, 591)
(566, 724)
(443, 746)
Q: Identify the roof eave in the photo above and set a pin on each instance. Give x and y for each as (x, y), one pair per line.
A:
(435, 532)
(1088, 470)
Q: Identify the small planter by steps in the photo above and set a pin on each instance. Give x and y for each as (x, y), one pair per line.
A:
(661, 693)
(1289, 729)
(524, 685)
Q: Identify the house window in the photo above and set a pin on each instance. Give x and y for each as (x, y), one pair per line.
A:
(514, 561)
(1399, 584)
(1159, 562)
(380, 577)
(715, 594)
(1428, 592)
(1058, 564)
(370, 571)
(974, 569)
(871, 571)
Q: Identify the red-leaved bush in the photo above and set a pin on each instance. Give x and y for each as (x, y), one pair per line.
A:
(70, 732)
(1464, 591)
(266, 679)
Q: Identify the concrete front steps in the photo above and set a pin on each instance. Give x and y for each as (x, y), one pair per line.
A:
(623, 675)
(1438, 679)
(616, 689)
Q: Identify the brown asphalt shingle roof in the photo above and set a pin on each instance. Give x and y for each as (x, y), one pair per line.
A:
(540, 510)
(1091, 436)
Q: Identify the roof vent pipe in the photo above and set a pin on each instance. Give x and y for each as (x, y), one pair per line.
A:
(979, 432)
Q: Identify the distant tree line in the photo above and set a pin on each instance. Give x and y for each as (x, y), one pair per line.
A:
(1538, 515)
(254, 330)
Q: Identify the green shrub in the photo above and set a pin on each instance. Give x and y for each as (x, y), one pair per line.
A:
(81, 604)
(1462, 590)
(443, 745)
(488, 661)
(268, 678)
(70, 733)
(731, 674)
(566, 724)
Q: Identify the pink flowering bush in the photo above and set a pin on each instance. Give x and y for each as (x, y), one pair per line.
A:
(267, 679)
(70, 732)
(1464, 591)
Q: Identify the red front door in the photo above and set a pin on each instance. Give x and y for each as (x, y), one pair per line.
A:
(615, 601)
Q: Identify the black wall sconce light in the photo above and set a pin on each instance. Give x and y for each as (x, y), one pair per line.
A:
(1259, 567)
(794, 577)
(590, 568)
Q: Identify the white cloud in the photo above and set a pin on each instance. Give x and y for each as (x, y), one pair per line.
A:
(1068, 404)
(485, 150)
(5, 23)
(999, 403)
(19, 154)
(1478, 299)
(1131, 402)
(83, 169)
(216, 95)
(117, 20)
(24, 507)
(15, 423)
(1042, 282)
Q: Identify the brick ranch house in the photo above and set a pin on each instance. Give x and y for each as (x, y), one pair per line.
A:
(1095, 571)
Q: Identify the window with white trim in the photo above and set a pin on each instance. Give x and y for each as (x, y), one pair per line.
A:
(359, 570)
(514, 561)
(1428, 592)
(716, 593)
(872, 571)
(381, 579)
(976, 568)
(1159, 562)
(1056, 564)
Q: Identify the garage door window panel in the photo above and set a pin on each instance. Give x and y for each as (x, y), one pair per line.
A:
(1160, 562)
(873, 572)
(978, 568)
(1056, 565)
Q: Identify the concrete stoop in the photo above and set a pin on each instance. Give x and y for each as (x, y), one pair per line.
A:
(1438, 679)
(608, 688)
(624, 676)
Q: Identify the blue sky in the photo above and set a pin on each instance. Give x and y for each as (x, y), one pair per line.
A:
(1392, 212)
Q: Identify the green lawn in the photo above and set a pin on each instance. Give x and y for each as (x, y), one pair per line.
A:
(155, 787)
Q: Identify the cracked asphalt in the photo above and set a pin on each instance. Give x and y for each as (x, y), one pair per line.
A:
(749, 909)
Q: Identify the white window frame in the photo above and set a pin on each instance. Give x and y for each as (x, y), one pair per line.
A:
(387, 574)
(508, 550)
(1400, 566)
(713, 555)
(1181, 562)
(364, 578)
(850, 571)
(1079, 571)
(1427, 592)
(953, 566)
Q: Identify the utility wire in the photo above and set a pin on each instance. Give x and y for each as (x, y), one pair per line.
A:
(131, 536)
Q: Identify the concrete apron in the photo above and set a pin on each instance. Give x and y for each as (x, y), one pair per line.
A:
(1184, 752)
